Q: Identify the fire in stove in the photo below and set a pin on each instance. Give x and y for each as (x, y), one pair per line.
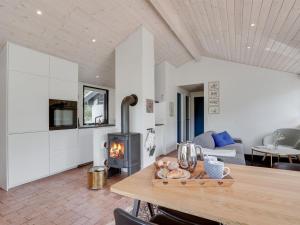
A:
(117, 151)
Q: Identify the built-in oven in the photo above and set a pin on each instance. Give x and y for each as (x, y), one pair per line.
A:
(62, 114)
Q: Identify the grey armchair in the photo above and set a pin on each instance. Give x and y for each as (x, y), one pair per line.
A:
(292, 138)
(206, 140)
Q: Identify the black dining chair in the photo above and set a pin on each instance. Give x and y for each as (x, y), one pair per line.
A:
(166, 218)
(124, 218)
(186, 218)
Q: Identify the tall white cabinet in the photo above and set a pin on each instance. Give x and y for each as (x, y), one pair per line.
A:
(28, 157)
(27, 102)
(64, 152)
(86, 145)
(63, 79)
(28, 150)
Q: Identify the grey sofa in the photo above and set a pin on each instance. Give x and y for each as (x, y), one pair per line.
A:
(292, 138)
(206, 140)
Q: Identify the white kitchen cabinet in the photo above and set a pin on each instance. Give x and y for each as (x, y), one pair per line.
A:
(28, 157)
(63, 150)
(160, 111)
(63, 90)
(63, 70)
(159, 140)
(27, 103)
(85, 138)
(63, 79)
(27, 60)
(3, 118)
(28, 150)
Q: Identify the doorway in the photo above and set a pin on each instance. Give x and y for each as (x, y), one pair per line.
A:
(178, 117)
(190, 111)
(198, 116)
(187, 117)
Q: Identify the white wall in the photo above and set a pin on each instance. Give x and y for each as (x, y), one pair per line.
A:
(166, 92)
(3, 117)
(135, 75)
(254, 101)
(111, 102)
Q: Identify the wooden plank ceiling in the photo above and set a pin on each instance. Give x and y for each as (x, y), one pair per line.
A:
(66, 29)
(262, 33)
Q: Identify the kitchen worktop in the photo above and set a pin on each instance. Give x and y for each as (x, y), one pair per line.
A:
(96, 126)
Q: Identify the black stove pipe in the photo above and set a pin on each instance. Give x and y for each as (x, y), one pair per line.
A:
(130, 100)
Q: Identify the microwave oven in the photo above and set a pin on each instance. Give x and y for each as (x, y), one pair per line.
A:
(62, 114)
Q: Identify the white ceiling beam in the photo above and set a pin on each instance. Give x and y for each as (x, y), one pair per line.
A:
(171, 17)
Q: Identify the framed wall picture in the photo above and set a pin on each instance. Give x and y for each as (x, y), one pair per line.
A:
(214, 97)
(214, 109)
(213, 94)
(149, 105)
(214, 85)
(213, 102)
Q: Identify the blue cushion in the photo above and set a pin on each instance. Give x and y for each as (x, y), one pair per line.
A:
(222, 139)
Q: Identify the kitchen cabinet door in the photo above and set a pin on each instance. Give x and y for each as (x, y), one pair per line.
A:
(63, 70)
(63, 90)
(85, 145)
(159, 140)
(28, 61)
(28, 157)
(28, 103)
(63, 150)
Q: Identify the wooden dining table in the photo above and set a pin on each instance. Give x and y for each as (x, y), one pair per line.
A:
(259, 196)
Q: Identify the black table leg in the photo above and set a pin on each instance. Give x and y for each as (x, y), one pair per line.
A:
(136, 207)
(151, 210)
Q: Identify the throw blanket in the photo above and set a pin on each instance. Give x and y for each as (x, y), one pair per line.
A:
(219, 152)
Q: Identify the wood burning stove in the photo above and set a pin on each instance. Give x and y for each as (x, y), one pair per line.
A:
(124, 148)
(124, 151)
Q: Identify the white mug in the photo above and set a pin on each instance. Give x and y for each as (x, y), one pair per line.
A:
(216, 169)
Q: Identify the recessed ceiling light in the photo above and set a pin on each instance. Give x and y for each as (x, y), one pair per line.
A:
(97, 76)
(268, 49)
(39, 12)
(248, 47)
(252, 24)
(93, 40)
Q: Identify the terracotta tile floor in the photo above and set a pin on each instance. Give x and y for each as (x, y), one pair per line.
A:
(61, 199)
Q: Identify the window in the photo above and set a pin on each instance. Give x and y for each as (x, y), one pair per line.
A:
(95, 105)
